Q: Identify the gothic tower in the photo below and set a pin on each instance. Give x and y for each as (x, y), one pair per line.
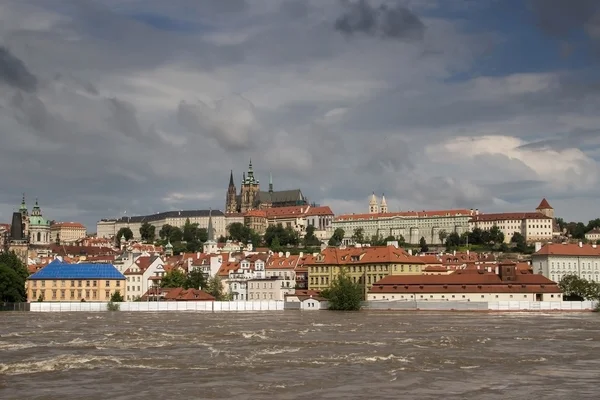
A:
(383, 208)
(250, 189)
(231, 205)
(24, 218)
(373, 207)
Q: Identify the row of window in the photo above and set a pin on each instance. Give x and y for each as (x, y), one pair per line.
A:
(257, 296)
(63, 294)
(63, 283)
(431, 296)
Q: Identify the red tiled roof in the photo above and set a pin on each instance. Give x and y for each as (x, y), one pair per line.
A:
(569, 249)
(508, 216)
(364, 255)
(321, 210)
(181, 294)
(67, 225)
(406, 214)
(256, 213)
(465, 282)
(544, 205)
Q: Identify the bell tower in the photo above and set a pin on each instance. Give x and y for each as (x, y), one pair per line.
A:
(373, 206)
(231, 205)
(250, 190)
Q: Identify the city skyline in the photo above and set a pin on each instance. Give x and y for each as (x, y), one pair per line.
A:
(437, 104)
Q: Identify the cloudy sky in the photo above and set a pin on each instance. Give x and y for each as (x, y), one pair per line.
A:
(143, 106)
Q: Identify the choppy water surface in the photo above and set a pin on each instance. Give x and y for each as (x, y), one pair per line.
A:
(294, 355)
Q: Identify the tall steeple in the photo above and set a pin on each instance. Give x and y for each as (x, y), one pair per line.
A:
(211, 233)
(23, 208)
(270, 182)
(373, 207)
(35, 211)
(231, 179)
(251, 179)
(383, 208)
(231, 205)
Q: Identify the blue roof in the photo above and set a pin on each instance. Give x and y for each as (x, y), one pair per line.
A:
(60, 270)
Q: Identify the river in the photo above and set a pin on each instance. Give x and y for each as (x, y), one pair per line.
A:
(299, 355)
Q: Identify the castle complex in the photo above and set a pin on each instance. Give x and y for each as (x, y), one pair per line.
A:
(252, 198)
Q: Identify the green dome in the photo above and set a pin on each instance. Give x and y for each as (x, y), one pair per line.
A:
(38, 220)
(169, 246)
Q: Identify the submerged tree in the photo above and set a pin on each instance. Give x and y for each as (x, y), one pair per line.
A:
(344, 294)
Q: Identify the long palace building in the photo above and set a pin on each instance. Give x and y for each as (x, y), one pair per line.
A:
(412, 225)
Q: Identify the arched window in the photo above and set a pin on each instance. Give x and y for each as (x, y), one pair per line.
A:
(39, 237)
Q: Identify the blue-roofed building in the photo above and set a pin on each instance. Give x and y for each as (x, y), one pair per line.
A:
(60, 281)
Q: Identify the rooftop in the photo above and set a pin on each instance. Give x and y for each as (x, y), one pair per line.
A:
(59, 270)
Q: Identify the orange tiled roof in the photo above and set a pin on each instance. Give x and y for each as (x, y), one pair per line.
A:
(509, 216)
(569, 249)
(406, 214)
(67, 225)
(321, 210)
(465, 282)
(544, 205)
(364, 255)
(276, 262)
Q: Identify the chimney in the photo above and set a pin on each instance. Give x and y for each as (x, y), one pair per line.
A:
(301, 254)
(497, 270)
(538, 246)
(468, 252)
(477, 211)
(287, 254)
(410, 252)
(198, 254)
(580, 244)
(594, 245)
(454, 252)
(280, 254)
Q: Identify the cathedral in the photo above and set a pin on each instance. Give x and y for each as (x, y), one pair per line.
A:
(252, 198)
(28, 230)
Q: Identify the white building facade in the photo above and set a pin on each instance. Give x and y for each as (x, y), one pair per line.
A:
(554, 261)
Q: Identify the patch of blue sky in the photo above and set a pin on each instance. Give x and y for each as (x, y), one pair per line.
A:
(521, 46)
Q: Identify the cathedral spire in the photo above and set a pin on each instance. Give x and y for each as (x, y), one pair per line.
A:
(23, 205)
(231, 178)
(211, 233)
(270, 182)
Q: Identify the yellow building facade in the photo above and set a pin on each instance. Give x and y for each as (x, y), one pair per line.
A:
(364, 265)
(62, 282)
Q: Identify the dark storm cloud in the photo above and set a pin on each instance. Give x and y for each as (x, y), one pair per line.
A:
(393, 22)
(560, 17)
(14, 72)
(32, 112)
(124, 118)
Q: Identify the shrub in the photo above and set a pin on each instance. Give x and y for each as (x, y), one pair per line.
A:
(112, 306)
(344, 294)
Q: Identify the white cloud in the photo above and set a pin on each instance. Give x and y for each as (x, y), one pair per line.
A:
(148, 116)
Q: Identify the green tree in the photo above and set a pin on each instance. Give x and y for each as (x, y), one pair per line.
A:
(401, 241)
(442, 235)
(453, 241)
(190, 231)
(173, 279)
(117, 297)
(575, 288)
(343, 294)
(423, 244)
(495, 235)
(215, 288)
(309, 238)
(195, 280)
(170, 233)
(147, 232)
(519, 241)
(337, 237)
(13, 275)
(358, 236)
(275, 245)
(124, 232)
(241, 233)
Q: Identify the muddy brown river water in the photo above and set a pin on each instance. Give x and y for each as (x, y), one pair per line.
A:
(299, 355)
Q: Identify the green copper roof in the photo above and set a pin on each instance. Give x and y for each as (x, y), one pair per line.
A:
(38, 220)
